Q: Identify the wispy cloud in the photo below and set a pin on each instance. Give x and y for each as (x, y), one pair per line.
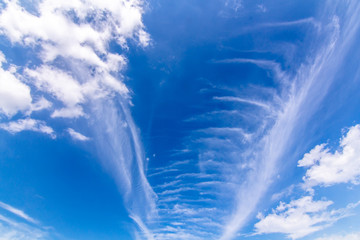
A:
(275, 144)
(291, 23)
(28, 124)
(77, 136)
(272, 65)
(18, 212)
(243, 100)
(12, 228)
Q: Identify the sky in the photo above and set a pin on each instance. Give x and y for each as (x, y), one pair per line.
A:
(178, 120)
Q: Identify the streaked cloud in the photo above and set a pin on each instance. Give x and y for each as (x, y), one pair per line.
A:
(18, 212)
(76, 135)
(13, 229)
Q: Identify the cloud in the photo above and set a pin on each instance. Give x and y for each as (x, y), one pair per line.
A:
(243, 100)
(234, 4)
(18, 212)
(14, 94)
(69, 112)
(60, 84)
(300, 218)
(77, 136)
(11, 229)
(349, 236)
(342, 166)
(298, 103)
(291, 23)
(75, 67)
(272, 65)
(41, 104)
(72, 69)
(261, 8)
(28, 124)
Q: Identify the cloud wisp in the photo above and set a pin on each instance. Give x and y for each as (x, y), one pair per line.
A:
(28, 124)
(11, 228)
(279, 138)
(18, 213)
(76, 135)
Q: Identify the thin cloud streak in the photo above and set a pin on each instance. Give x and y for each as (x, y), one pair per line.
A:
(18, 213)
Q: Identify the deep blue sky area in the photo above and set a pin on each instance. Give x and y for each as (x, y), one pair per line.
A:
(179, 120)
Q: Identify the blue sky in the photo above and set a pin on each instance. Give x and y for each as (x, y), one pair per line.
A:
(157, 120)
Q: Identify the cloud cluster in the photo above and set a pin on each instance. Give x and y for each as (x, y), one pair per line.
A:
(304, 216)
(326, 168)
(75, 70)
(298, 218)
(71, 41)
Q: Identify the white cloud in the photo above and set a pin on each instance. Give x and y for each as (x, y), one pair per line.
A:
(18, 212)
(70, 112)
(123, 20)
(301, 97)
(271, 65)
(77, 136)
(14, 94)
(261, 8)
(87, 46)
(291, 23)
(349, 236)
(243, 100)
(41, 104)
(58, 83)
(71, 41)
(299, 218)
(28, 124)
(342, 166)
(12, 230)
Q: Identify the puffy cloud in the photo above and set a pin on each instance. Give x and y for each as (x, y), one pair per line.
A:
(92, 25)
(298, 218)
(14, 94)
(58, 83)
(342, 166)
(77, 136)
(116, 20)
(28, 124)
